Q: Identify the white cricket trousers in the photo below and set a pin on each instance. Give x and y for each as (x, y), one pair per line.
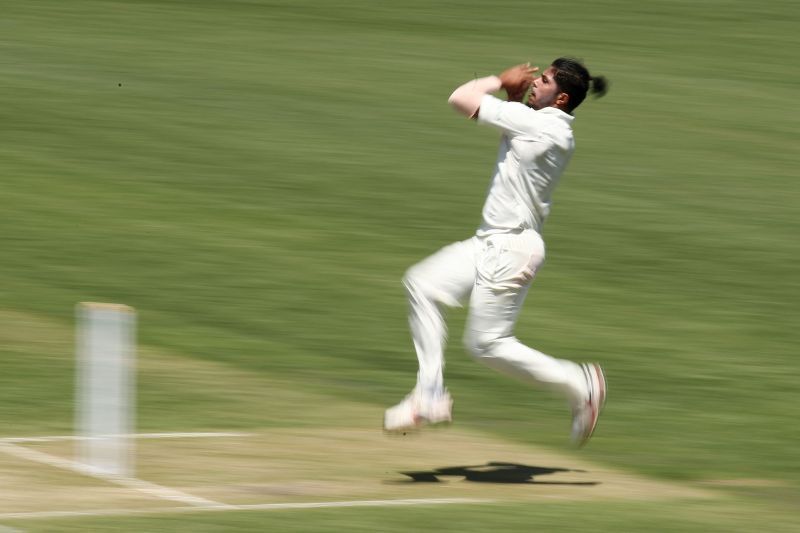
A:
(494, 272)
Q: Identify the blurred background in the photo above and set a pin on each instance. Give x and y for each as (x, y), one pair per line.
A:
(254, 177)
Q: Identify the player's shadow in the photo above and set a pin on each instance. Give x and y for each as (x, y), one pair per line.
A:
(494, 472)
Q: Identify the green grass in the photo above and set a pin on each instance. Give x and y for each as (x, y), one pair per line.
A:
(255, 176)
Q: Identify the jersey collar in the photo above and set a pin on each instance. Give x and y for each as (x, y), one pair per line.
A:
(556, 112)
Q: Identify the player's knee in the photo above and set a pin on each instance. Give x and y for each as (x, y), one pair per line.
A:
(414, 283)
(410, 282)
(409, 279)
(479, 344)
(421, 287)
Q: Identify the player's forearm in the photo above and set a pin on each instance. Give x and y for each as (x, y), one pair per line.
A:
(467, 98)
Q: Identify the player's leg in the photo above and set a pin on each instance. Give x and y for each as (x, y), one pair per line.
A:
(505, 268)
(444, 279)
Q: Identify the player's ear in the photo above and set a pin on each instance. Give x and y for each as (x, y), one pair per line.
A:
(562, 100)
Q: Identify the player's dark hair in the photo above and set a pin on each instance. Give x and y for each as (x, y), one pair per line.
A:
(574, 79)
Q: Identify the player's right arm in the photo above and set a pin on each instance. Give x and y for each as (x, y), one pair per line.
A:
(466, 99)
(517, 80)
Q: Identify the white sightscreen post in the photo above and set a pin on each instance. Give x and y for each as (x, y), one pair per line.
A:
(105, 397)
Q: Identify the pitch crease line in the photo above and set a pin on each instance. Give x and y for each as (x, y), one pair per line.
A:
(52, 438)
(139, 485)
(249, 507)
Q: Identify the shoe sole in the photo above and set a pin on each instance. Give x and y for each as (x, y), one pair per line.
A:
(418, 425)
(415, 424)
(598, 380)
(419, 421)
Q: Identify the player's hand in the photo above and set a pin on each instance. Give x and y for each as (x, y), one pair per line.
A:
(517, 79)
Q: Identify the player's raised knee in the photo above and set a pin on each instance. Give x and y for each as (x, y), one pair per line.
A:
(411, 280)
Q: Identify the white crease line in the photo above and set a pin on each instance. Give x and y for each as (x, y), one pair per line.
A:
(123, 481)
(355, 503)
(124, 435)
(253, 507)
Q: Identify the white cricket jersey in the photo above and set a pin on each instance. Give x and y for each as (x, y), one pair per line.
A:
(534, 151)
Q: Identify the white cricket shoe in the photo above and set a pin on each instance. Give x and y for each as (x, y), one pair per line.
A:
(585, 415)
(416, 410)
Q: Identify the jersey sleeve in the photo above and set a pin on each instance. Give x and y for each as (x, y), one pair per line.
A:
(512, 118)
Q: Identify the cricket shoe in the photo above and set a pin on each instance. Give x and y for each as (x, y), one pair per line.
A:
(585, 414)
(417, 410)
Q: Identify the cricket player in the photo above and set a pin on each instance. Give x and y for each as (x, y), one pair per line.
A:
(494, 269)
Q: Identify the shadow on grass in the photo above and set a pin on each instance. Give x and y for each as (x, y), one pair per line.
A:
(494, 472)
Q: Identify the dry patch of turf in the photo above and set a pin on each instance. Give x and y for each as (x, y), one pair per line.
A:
(333, 464)
(31, 487)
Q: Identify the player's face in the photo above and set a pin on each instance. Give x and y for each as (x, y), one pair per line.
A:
(544, 90)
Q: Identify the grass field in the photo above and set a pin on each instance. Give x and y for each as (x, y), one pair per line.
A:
(254, 177)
